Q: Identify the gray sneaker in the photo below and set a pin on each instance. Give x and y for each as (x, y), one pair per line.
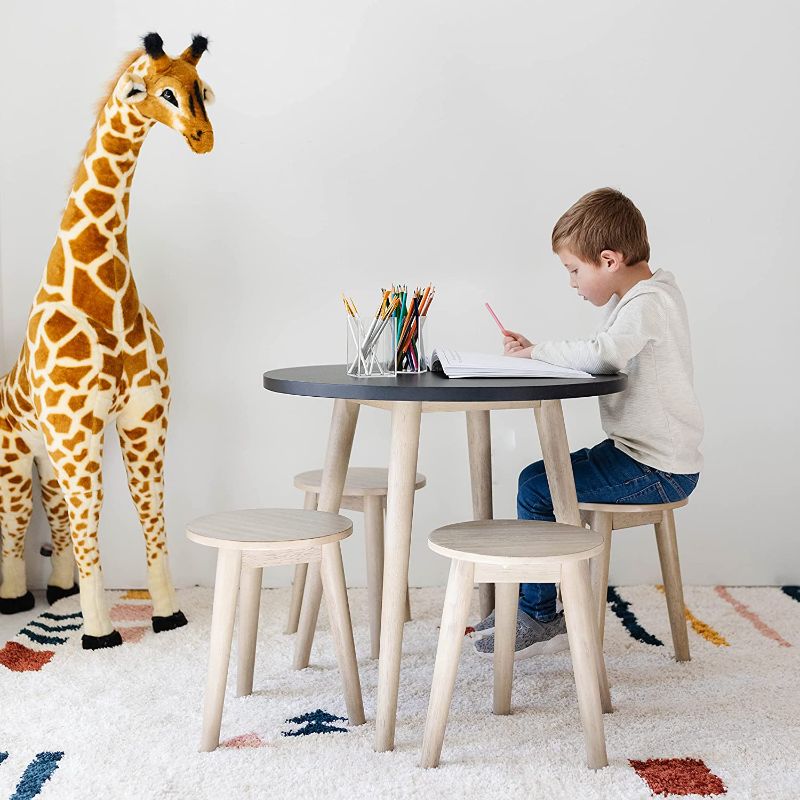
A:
(482, 628)
(533, 638)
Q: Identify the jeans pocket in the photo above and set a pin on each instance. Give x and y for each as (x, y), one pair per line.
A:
(649, 495)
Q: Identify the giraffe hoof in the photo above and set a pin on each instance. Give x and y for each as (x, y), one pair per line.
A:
(14, 605)
(176, 620)
(55, 593)
(112, 639)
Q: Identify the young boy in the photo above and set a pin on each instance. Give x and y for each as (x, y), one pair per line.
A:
(654, 427)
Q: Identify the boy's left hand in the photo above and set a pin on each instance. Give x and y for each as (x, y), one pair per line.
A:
(522, 352)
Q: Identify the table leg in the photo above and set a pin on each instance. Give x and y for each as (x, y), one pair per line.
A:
(479, 442)
(334, 472)
(399, 511)
(557, 464)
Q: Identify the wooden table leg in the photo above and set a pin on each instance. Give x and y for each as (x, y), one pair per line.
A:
(558, 465)
(334, 473)
(399, 511)
(479, 442)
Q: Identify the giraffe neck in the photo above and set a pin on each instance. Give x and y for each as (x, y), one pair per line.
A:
(88, 266)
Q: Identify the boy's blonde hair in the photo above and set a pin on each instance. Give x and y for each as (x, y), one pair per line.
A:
(603, 220)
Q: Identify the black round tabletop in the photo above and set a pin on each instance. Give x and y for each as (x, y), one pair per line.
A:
(331, 380)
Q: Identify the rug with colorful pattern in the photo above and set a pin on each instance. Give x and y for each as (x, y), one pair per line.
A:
(125, 722)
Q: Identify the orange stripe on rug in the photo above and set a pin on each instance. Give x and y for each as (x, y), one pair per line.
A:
(136, 594)
(757, 622)
(701, 628)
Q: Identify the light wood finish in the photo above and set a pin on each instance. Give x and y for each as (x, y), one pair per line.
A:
(557, 463)
(451, 636)
(226, 586)
(667, 542)
(337, 458)
(515, 542)
(299, 582)
(399, 511)
(600, 522)
(479, 444)
(528, 548)
(268, 529)
(373, 534)
(249, 602)
(506, 601)
(335, 591)
(576, 594)
(365, 490)
(607, 517)
(523, 573)
(359, 481)
(429, 406)
(239, 575)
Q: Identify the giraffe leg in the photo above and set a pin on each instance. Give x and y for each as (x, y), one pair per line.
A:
(142, 435)
(77, 469)
(61, 582)
(16, 506)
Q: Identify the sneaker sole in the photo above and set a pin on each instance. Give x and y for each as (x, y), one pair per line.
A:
(473, 634)
(557, 644)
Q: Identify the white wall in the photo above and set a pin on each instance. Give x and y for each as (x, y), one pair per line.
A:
(360, 143)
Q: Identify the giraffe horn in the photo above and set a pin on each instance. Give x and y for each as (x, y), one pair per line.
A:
(154, 47)
(196, 49)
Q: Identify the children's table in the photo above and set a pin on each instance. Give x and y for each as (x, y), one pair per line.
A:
(407, 397)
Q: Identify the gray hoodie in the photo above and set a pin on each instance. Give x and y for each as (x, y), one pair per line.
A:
(657, 419)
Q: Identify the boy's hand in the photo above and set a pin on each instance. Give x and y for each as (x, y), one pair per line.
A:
(515, 344)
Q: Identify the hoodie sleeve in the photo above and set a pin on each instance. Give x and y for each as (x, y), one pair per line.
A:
(639, 321)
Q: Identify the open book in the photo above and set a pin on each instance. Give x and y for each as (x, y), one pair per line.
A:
(457, 364)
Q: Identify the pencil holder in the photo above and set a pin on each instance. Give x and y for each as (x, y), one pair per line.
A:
(411, 356)
(370, 348)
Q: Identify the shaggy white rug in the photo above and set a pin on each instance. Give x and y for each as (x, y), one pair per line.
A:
(125, 722)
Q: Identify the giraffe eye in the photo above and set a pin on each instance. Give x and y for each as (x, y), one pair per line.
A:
(169, 97)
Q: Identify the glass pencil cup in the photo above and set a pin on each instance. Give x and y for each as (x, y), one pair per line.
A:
(411, 355)
(371, 348)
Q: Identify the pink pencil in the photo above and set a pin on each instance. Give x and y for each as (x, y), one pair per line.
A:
(499, 324)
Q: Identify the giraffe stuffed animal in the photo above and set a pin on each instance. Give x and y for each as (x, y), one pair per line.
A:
(93, 353)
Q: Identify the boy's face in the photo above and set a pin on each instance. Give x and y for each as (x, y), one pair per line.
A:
(593, 282)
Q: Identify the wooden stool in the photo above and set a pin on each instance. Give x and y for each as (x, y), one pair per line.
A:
(246, 542)
(603, 518)
(365, 489)
(507, 552)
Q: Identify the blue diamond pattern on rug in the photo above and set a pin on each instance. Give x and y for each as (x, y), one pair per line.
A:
(318, 721)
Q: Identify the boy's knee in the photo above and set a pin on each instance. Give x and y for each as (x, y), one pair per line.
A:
(530, 472)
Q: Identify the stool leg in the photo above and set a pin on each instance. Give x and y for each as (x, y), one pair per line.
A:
(600, 522)
(506, 596)
(334, 474)
(341, 629)
(408, 603)
(451, 635)
(249, 602)
(667, 542)
(373, 532)
(226, 588)
(479, 443)
(582, 632)
(299, 581)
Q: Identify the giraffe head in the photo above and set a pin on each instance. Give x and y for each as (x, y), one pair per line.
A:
(169, 90)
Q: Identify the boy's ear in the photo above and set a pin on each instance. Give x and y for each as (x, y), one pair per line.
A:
(612, 260)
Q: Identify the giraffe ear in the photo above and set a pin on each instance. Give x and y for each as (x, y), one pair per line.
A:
(208, 95)
(130, 89)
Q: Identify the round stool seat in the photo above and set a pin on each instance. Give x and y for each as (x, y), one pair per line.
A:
(360, 481)
(625, 508)
(268, 529)
(515, 541)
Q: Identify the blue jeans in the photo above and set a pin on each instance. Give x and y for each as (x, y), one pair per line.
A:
(603, 474)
